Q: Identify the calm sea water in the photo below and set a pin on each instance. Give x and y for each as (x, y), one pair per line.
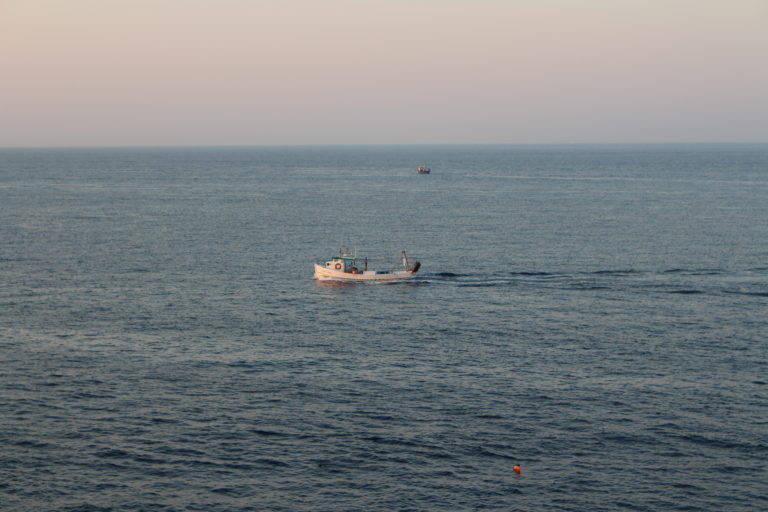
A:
(596, 314)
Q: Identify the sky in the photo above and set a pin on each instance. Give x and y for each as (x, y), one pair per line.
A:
(274, 72)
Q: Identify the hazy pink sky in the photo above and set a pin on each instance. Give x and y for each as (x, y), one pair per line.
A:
(209, 72)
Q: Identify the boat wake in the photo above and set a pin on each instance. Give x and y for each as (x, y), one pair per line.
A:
(707, 281)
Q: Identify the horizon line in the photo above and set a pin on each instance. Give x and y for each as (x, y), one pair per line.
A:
(328, 145)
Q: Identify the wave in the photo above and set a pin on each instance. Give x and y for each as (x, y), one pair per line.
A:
(721, 442)
(748, 294)
(695, 271)
(615, 272)
(449, 274)
(269, 433)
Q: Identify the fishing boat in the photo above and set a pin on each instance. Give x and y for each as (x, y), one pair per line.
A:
(346, 267)
(423, 169)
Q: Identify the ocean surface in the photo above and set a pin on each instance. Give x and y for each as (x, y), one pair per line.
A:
(597, 315)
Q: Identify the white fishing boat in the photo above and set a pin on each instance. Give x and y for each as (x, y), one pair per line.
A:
(423, 169)
(347, 267)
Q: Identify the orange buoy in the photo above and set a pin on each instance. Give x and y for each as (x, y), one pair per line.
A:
(516, 468)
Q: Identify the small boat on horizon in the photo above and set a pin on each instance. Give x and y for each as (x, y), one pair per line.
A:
(345, 267)
(423, 169)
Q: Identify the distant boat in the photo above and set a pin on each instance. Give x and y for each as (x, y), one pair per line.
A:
(423, 169)
(345, 267)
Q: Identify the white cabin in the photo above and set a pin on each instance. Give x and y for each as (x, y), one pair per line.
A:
(341, 263)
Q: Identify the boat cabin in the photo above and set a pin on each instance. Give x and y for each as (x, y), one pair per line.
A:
(342, 264)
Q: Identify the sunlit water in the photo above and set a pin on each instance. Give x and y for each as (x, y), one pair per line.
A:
(596, 314)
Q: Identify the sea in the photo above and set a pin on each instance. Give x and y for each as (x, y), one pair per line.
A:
(594, 315)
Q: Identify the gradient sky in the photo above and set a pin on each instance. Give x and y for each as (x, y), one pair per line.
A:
(211, 72)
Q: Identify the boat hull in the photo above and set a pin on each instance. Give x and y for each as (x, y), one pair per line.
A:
(328, 274)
